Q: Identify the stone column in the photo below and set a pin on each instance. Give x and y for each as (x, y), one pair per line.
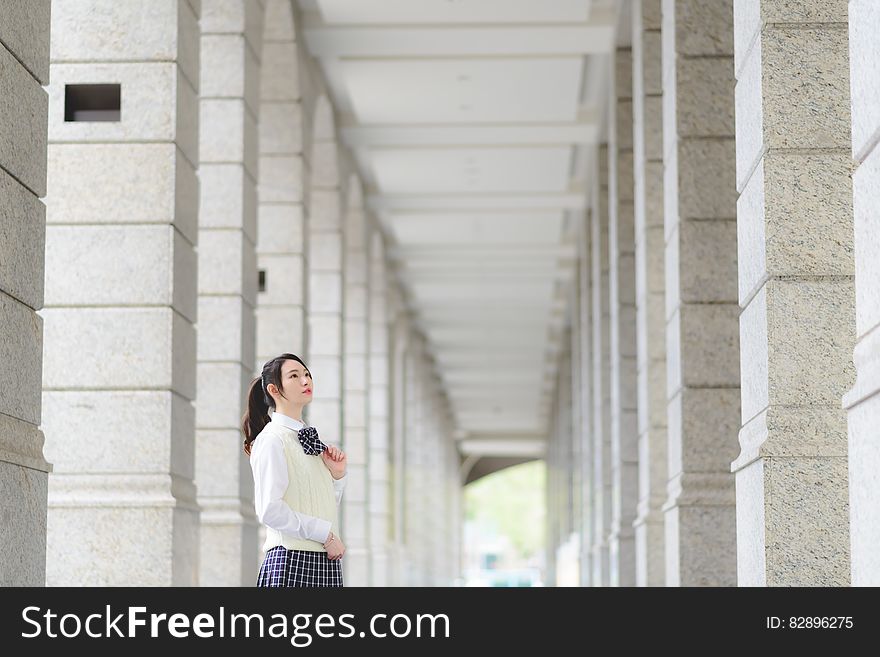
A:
(24, 68)
(796, 291)
(324, 300)
(601, 374)
(120, 344)
(621, 249)
(580, 430)
(650, 289)
(702, 353)
(399, 386)
(229, 102)
(282, 193)
(551, 532)
(863, 401)
(410, 467)
(561, 436)
(355, 502)
(584, 392)
(452, 491)
(379, 456)
(436, 538)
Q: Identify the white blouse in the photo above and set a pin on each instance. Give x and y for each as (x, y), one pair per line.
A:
(269, 466)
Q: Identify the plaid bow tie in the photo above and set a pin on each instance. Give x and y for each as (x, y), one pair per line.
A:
(311, 444)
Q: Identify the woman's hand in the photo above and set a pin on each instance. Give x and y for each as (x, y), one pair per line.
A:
(335, 460)
(335, 547)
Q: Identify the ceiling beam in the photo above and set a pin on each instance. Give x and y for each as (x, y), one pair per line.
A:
(593, 37)
(366, 136)
(456, 251)
(557, 201)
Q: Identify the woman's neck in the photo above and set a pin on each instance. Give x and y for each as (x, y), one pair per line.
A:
(290, 411)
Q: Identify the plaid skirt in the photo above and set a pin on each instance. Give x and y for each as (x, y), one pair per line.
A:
(283, 567)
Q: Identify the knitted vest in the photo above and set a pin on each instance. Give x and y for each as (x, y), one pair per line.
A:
(310, 490)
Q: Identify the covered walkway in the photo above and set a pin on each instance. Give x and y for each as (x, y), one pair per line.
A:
(635, 238)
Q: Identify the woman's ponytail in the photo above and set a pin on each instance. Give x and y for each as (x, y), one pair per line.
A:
(257, 415)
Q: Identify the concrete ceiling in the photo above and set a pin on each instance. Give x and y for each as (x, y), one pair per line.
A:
(470, 121)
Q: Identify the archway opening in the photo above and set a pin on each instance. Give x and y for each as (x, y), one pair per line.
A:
(505, 527)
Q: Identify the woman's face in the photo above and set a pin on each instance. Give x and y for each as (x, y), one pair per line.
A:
(297, 381)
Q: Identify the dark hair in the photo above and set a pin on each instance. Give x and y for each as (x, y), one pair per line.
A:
(258, 400)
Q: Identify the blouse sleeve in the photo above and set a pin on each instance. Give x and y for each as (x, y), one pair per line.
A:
(270, 483)
(339, 486)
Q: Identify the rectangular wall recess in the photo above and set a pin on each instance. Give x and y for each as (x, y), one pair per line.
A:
(92, 102)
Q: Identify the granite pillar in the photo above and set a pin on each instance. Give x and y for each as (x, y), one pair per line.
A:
(702, 333)
(650, 290)
(24, 69)
(119, 363)
(797, 325)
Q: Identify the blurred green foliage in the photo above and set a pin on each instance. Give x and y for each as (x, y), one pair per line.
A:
(513, 502)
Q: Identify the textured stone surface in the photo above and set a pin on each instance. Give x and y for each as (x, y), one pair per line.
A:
(100, 532)
(223, 58)
(754, 359)
(230, 118)
(702, 335)
(864, 463)
(25, 33)
(226, 329)
(281, 179)
(222, 387)
(24, 66)
(707, 261)
(162, 30)
(694, 167)
(154, 347)
(810, 326)
(23, 106)
(325, 335)
(157, 104)
(228, 198)
(21, 352)
(797, 324)
(284, 280)
(122, 183)
(810, 110)
(23, 539)
(325, 292)
(21, 443)
(710, 421)
(866, 201)
(699, 28)
(807, 522)
(280, 74)
(702, 104)
(229, 551)
(22, 242)
(222, 462)
(279, 329)
(140, 260)
(862, 400)
(710, 338)
(227, 264)
(70, 416)
(864, 16)
(280, 128)
(708, 557)
(803, 11)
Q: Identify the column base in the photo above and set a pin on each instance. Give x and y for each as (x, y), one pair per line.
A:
(23, 539)
(228, 552)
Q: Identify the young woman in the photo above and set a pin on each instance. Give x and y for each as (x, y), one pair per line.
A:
(298, 480)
